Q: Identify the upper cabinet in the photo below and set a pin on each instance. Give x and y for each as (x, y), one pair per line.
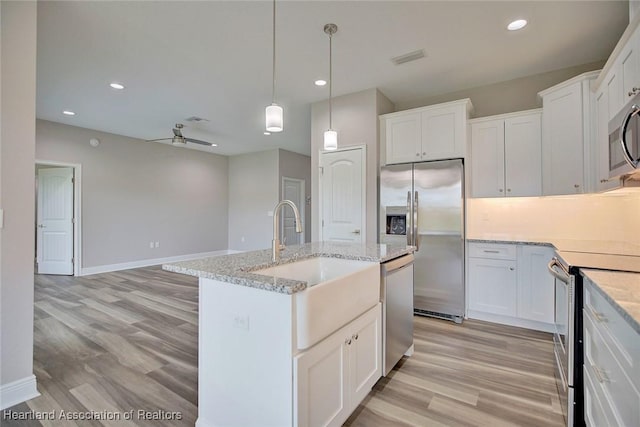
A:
(566, 136)
(435, 132)
(506, 155)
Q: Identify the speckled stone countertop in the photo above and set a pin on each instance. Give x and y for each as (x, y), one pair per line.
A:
(622, 290)
(237, 268)
(570, 245)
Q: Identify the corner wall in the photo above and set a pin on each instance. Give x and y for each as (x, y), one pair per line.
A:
(17, 172)
(294, 165)
(135, 192)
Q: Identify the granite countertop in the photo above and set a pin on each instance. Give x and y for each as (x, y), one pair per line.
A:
(237, 268)
(569, 245)
(622, 290)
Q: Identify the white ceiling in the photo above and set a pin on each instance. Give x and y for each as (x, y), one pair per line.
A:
(213, 58)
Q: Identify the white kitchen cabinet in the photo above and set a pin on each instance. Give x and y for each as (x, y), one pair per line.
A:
(601, 142)
(630, 68)
(566, 136)
(492, 286)
(535, 284)
(509, 284)
(335, 375)
(435, 132)
(506, 155)
(613, 88)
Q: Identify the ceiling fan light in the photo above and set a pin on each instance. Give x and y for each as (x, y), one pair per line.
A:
(274, 118)
(330, 140)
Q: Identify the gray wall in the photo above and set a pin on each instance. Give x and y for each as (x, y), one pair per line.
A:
(135, 192)
(17, 136)
(294, 165)
(253, 193)
(355, 117)
(504, 97)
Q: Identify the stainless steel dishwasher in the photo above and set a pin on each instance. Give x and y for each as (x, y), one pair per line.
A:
(397, 310)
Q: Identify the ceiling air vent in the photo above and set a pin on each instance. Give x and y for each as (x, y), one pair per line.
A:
(196, 119)
(408, 57)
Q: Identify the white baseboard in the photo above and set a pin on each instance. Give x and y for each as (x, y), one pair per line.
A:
(18, 391)
(147, 262)
(511, 321)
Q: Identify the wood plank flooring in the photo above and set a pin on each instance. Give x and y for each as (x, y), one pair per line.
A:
(127, 341)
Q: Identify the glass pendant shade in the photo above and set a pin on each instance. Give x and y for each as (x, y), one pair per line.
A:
(330, 140)
(274, 118)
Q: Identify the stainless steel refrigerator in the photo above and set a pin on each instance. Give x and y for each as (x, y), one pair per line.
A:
(422, 204)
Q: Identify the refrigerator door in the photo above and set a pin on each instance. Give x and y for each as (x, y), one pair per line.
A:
(396, 185)
(439, 260)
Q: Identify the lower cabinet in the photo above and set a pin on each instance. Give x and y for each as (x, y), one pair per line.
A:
(335, 375)
(510, 284)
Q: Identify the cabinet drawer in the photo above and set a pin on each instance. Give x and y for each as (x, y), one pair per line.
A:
(608, 377)
(595, 414)
(621, 338)
(492, 251)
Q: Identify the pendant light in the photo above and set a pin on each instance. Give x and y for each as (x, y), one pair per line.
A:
(274, 113)
(330, 135)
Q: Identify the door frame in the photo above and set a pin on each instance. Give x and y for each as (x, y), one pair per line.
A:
(363, 162)
(77, 209)
(301, 209)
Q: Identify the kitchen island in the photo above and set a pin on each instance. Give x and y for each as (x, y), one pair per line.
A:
(280, 349)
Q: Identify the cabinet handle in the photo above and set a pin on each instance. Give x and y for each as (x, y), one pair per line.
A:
(599, 317)
(600, 375)
(602, 181)
(424, 153)
(501, 190)
(508, 190)
(634, 91)
(355, 337)
(347, 341)
(486, 251)
(417, 154)
(511, 268)
(576, 186)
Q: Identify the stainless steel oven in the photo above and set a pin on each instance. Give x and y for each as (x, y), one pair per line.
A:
(564, 337)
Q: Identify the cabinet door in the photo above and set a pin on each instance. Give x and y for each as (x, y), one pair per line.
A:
(563, 142)
(614, 91)
(492, 286)
(487, 159)
(523, 155)
(535, 284)
(403, 138)
(629, 68)
(321, 378)
(602, 142)
(365, 358)
(443, 133)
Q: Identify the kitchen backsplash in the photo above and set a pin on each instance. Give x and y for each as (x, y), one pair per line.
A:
(612, 217)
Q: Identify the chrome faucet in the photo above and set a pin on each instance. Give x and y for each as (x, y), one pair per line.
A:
(276, 246)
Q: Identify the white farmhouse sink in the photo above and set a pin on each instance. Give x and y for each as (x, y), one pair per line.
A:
(338, 291)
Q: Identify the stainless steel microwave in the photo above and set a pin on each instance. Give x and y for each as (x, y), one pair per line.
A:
(624, 140)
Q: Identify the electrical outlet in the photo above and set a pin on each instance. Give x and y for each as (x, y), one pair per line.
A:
(157, 244)
(241, 321)
(151, 245)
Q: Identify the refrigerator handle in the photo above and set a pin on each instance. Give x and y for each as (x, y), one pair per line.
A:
(408, 226)
(416, 236)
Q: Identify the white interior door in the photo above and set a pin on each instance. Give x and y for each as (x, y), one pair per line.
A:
(342, 196)
(292, 189)
(54, 232)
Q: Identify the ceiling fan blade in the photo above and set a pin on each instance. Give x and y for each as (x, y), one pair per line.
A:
(197, 141)
(160, 139)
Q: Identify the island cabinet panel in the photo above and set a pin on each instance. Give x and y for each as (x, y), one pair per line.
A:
(535, 284)
(335, 375)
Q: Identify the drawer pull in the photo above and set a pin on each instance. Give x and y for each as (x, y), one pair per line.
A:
(599, 317)
(600, 375)
(491, 252)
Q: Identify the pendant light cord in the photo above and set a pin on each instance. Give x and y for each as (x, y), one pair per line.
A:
(330, 78)
(273, 87)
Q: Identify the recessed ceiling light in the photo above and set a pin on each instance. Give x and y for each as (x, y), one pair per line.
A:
(68, 113)
(267, 133)
(214, 145)
(117, 86)
(518, 24)
(320, 82)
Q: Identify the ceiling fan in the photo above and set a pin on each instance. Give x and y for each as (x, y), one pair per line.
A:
(179, 140)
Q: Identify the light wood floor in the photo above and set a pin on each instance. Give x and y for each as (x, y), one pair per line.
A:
(127, 340)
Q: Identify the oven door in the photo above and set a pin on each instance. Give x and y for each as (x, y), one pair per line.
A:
(563, 337)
